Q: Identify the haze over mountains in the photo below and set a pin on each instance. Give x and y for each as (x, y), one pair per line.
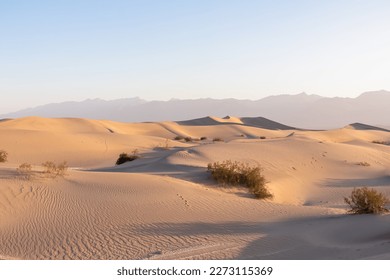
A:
(301, 110)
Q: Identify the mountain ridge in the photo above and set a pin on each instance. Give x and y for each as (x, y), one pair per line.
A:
(301, 110)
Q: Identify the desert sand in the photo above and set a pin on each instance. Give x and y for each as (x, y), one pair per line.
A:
(164, 205)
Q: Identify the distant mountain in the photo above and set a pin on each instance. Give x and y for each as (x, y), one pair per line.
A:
(301, 110)
(90, 108)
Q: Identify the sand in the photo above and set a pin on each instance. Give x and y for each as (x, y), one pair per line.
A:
(165, 205)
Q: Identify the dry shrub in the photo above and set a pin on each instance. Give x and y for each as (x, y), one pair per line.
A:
(363, 163)
(25, 170)
(366, 201)
(3, 156)
(236, 173)
(49, 166)
(124, 157)
(203, 138)
(178, 138)
(62, 168)
(55, 170)
(217, 139)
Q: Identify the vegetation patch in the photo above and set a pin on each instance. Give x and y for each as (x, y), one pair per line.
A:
(25, 170)
(367, 201)
(3, 156)
(217, 139)
(55, 170)
(381, 142)
(178, 138)
(363, 163)
(236, 173)
(124, 157)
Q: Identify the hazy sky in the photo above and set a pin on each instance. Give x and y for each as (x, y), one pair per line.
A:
(52, 51)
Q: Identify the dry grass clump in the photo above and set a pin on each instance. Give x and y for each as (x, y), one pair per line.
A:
(367, 201)
(51, 168)
(165, 146)
(217, 139)
(203, 138)
(3, 156)
(124, 157)
(236, 173)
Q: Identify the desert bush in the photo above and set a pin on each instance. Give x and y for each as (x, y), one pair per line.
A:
(263, 137)
(124, 157)
(178, 138)
(366, 201)
(3, 156)
(25, 170)
(217, 139)
(55, 170)
(24, 167)
(188, 139)
(61, 168)
(363, 163)
(203, 138)
(49, 167)
(236, 173)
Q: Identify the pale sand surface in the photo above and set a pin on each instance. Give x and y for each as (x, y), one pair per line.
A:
(165, 206)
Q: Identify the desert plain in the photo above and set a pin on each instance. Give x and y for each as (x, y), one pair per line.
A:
(165, 205)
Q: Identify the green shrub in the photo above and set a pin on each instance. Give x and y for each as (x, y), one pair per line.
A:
(55, 170)
(236, 173)
(3, 156)
(366, 201)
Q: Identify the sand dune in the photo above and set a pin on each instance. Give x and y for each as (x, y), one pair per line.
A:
(165, 206)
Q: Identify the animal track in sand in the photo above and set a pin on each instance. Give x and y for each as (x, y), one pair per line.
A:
(185, 200)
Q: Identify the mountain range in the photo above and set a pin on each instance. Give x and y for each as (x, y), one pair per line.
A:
(300, 110)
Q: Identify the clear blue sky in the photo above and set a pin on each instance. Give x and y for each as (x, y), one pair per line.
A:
(52, 51)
